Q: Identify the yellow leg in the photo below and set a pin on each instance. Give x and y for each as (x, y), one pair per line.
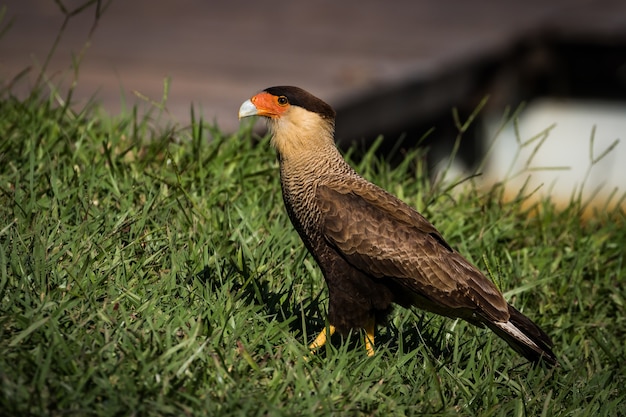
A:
(369, 336)
(321, 338)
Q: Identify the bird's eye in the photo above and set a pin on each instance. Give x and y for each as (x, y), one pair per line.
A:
(282, 101)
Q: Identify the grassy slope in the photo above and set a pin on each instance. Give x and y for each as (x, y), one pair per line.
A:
(153, 272)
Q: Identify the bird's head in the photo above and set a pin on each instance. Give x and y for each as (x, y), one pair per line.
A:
(299, 121)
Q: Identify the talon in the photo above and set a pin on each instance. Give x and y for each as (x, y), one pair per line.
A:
(322, 338)
(369, 337)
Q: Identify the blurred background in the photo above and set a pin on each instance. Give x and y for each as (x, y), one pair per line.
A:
(392, 68)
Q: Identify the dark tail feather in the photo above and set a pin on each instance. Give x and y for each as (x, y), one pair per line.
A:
(525, 337)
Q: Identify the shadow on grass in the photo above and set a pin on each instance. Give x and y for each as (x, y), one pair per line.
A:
(308, 317)
(281, 305)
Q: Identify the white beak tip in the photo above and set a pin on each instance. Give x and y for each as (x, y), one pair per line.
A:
(247, 109)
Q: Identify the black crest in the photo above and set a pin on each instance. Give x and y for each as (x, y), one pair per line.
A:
(301, 98)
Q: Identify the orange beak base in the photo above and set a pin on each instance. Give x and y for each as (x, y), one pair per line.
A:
(266, 105)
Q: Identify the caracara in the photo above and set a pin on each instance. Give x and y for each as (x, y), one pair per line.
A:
(373, 249)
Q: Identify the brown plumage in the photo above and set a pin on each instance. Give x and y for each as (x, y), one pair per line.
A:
(373, 249)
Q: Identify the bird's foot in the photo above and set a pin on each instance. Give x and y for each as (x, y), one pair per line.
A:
(322, 338)
(369, 337)
(326, 333)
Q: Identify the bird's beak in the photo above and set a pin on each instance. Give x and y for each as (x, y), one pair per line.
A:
(248, 109)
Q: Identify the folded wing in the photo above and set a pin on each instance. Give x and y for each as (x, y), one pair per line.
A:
(383, 237)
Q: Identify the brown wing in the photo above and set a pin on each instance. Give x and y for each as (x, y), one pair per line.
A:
(382, 236)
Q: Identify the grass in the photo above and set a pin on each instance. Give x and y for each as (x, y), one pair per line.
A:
(151, 271)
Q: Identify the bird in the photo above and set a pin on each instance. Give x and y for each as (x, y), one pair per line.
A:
(374, 250)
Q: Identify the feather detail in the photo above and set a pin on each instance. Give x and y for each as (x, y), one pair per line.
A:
(373, 249)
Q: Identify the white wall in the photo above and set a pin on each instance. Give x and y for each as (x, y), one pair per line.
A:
(562, 163)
